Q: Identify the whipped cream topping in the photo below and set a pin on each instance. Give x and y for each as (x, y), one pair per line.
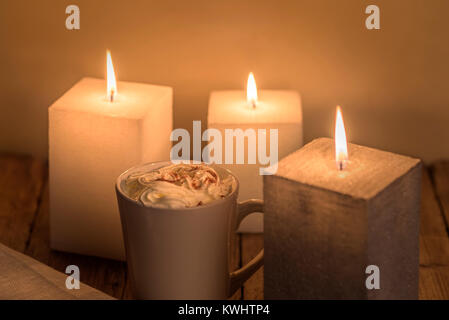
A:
(179, 186)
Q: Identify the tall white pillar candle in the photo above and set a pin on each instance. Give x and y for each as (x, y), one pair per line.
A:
(272, 109)
(93, 140)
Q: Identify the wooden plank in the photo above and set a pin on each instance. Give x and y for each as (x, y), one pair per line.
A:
(21, 185)
(434, 241)
(432, 222)
(21, 182)
(440, 175)
(434, 246)
(433, 283)
(25, 278)
(105, 275)
(251, 245)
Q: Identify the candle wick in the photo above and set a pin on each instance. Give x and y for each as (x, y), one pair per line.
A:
(341, 165)
(111, 97)
(254, 104)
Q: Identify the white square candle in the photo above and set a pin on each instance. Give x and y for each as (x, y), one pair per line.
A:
(275, 109)
(93, 140)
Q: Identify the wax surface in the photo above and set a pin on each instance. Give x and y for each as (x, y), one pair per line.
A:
(273, 106)
(132, 100)
(276, 109)
(92, 141)
(367, 173)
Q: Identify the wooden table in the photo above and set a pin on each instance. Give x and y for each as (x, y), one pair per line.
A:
(24, 226)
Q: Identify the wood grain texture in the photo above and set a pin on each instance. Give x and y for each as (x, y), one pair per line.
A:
(251, 245)
(22, 277)
(434, 240)
(107, 275)
(24, 227)
(21, 183)
(440, 175)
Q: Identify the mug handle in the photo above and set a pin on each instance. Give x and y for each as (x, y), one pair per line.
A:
(239, 276)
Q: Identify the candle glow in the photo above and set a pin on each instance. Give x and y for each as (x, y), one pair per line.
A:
(251, 91)
(341, 147)
(111, 81)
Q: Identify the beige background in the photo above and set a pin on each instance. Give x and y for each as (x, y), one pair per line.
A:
(393, 84)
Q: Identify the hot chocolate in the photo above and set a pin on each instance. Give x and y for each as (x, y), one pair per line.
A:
(178, 186)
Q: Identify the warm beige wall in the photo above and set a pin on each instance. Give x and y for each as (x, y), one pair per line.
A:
(393, 84)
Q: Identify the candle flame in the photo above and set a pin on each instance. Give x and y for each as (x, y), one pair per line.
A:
(341, 147)
(111, 81)
(251, 91)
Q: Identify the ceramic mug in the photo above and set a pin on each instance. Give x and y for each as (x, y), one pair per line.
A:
(183, 253)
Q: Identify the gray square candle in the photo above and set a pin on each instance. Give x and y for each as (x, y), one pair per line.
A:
(324, 226)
